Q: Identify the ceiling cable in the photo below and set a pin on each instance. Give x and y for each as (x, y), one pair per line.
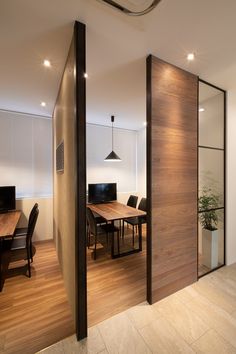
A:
(129, 12)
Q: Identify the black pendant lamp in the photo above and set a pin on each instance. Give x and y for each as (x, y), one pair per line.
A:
(112, 156)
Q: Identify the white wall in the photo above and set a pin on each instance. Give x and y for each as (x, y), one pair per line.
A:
(130, 173)
(26, 162)
(231, 178)
(99, 146)
(26, 154)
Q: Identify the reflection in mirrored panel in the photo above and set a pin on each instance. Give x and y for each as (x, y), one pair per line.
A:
(210, 241)
(211, 175)
(211, 116)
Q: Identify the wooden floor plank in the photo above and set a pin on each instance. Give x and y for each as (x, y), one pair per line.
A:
(114, 285)
(34, 313)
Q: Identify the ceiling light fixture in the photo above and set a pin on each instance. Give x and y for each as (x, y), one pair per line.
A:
(145, 124)
(191, 56)
(112, 156)
(85, 75)
(201, 109)
(126, 11)
(43, 104)
(47, 63)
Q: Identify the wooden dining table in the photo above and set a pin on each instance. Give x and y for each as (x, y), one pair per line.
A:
(8, 223)
(117, 211)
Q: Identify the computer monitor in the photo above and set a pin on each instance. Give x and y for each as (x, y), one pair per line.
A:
(102, 192)
(7, 198)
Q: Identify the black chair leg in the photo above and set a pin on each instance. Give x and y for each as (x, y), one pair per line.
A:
(123, 229)
(133, 235)
(29, 265)
(31, 253)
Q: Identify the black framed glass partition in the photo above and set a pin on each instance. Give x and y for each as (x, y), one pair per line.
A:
(211, 178)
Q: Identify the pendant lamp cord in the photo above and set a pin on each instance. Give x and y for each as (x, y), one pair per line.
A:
(112, 121)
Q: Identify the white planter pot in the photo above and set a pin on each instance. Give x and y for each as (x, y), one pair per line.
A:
(210, 248)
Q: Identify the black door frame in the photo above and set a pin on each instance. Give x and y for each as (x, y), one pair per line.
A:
(80, 182)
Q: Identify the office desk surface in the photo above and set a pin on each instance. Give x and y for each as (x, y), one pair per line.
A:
(8, 222)
(115, 211)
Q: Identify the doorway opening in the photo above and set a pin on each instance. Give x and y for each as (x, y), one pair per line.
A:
(116, 189)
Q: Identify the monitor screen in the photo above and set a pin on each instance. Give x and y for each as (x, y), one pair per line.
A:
(102, 192)
(7, 198)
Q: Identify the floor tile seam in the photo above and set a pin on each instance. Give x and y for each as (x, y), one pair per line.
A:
(179, 333)
(104, 342)
(208, 330)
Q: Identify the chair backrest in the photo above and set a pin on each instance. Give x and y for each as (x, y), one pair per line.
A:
(91, 221)
(31, 227)
(143, 204)
(132, 201)
(33, 210)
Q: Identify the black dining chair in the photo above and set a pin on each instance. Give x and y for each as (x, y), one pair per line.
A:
(137, 220)
(22, 231)
(22, 247)
(132, 202)
(95, 230)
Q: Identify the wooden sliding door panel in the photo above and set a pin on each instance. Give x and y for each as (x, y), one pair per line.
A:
(172, 109)
(69, 121)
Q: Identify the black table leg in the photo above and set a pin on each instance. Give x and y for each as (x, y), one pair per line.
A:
(140, 236)
(112, 242)
(5, 247)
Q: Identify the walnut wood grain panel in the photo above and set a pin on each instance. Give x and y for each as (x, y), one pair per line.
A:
(115, 211)
(8, 222)
(172, 175)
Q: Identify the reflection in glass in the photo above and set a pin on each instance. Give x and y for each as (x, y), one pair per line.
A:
(211, 241)
(211, 173)
(211, 116)
(211, 178)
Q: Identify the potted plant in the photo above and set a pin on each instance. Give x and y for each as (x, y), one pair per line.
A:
(207, 203)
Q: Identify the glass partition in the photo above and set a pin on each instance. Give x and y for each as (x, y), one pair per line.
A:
(211, 178)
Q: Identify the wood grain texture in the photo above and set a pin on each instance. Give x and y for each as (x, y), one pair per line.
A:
(34, 312)
(8, 222)
(114, 285)
(172, 176)
(115, 211)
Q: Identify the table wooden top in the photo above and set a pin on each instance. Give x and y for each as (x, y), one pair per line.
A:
(8, 222)
(115, 211)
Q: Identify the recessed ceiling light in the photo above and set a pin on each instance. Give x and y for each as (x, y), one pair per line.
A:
(43, 104)
(191, 56)
(47, 63)
(145, 124)
(201, 109)
(85, 75)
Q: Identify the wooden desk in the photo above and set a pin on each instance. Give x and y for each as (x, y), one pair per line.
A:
(8, 223)
(117, 211)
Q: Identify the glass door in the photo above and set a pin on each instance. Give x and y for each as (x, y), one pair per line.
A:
(211, 178)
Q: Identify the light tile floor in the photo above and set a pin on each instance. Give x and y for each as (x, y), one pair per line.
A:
(198, 319)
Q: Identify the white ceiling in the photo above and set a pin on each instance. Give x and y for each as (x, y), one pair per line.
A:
(117, 46)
